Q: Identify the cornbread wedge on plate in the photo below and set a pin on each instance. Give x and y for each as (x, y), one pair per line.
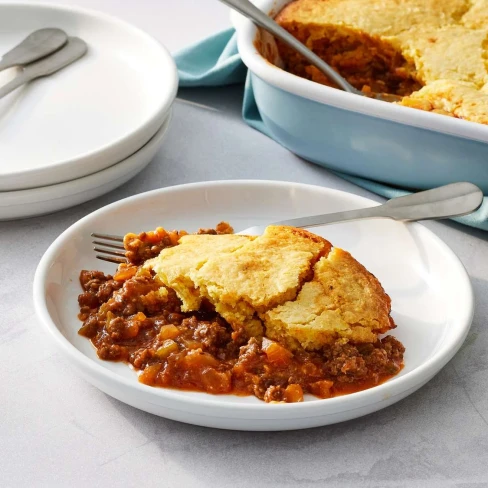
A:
(343, 300)
(287, 284)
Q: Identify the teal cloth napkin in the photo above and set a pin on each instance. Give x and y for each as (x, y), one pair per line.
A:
(215, 61)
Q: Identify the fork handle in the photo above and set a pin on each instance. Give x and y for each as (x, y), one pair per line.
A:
(446, 201)
(348, 215)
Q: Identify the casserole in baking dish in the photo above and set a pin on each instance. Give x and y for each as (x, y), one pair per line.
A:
(356, 135)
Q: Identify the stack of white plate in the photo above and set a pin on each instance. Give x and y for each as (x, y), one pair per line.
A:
(87, 129)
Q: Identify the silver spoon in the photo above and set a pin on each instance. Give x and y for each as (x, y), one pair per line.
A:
(246, 8)
(37, 45)
(74, 49)
(453, 200)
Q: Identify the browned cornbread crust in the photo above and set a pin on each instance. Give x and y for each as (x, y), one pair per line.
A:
(287, 284)
(343, 300)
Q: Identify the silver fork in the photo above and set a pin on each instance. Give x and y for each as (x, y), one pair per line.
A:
(447, 201)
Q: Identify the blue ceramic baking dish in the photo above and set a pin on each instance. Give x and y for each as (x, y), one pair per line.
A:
(357, 135)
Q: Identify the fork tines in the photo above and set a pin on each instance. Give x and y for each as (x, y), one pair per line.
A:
(113, 251)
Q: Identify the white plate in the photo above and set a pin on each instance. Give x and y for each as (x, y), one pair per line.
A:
(90, 115)
(430, 290)
(47, 199)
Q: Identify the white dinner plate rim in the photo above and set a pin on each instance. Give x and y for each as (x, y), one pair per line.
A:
(370, 396)
(91, 181)
(146, 130)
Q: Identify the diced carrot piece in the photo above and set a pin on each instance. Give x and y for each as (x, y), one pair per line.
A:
(216, 381)
(132, 329)
(293, 393)
(197, 359)
(169, 332)
(321, 388)
(148, 376)
(133, 325)
(124, 273)
(276, 353)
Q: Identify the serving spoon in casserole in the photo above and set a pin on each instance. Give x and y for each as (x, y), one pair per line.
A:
(246, 8)
(453, 200)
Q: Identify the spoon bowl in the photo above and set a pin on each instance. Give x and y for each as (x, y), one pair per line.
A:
(35, 46)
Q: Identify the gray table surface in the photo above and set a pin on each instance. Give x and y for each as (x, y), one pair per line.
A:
(57, 430)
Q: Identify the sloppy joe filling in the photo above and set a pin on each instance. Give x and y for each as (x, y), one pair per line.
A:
(366, 62)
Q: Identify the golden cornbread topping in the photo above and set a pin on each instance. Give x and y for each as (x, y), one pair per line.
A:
(288, 283)
(276, 316)
(435, 49)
